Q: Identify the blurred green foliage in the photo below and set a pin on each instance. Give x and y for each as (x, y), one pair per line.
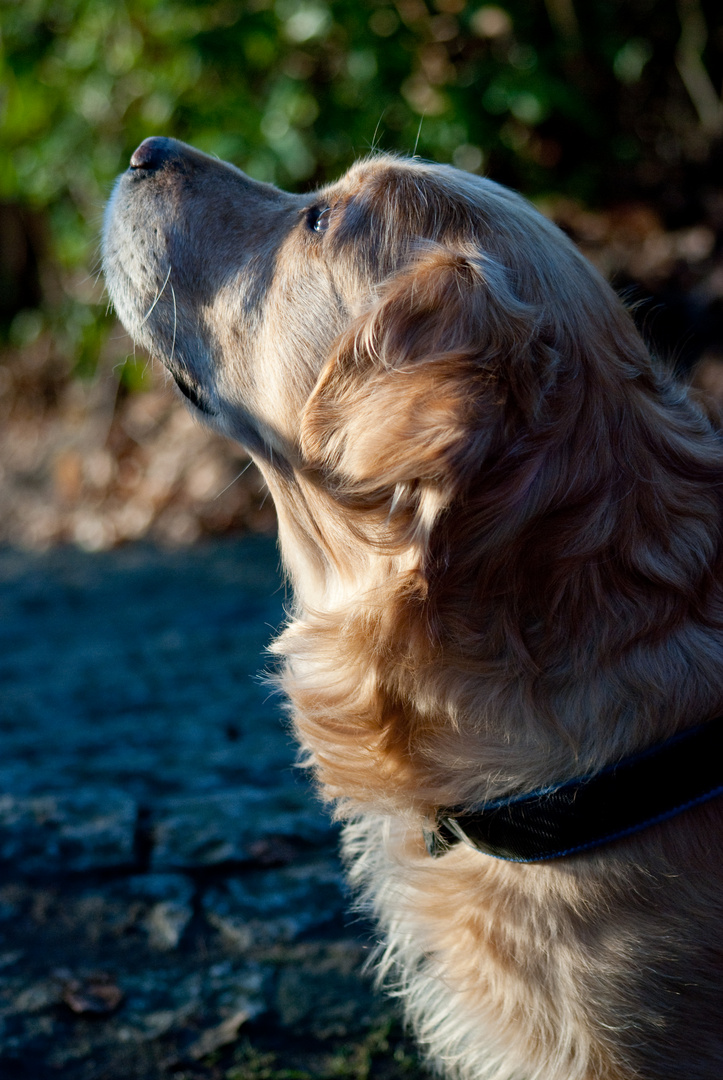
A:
(598, 98)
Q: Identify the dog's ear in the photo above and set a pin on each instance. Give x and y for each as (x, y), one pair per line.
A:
(412, 392)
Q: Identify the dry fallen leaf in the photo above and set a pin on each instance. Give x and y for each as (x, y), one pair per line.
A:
(216, 1037)
(95, 994)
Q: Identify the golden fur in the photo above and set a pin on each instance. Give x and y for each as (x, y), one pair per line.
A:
(503, 529)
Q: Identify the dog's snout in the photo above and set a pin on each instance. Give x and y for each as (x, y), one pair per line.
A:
(154, 152)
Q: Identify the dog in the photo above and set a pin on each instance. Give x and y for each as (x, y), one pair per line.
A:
(502, 525)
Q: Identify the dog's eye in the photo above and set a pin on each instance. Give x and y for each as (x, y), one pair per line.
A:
(317, 218)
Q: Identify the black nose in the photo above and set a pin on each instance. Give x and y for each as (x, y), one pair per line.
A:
(153, 152)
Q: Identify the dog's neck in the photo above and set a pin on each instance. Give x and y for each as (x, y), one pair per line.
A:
(411, 691)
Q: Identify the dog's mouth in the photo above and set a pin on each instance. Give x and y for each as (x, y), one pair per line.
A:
(194, 394)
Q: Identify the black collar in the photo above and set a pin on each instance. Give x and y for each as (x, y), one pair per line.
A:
(572, 817)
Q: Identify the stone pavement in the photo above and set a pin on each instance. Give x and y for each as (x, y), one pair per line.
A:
(171, 901)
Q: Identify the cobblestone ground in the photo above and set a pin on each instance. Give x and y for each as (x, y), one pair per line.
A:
(171, 902)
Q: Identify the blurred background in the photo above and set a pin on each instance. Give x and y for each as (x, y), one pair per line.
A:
(607, 113)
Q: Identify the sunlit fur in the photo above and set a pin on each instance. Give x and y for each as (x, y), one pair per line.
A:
(503, 530)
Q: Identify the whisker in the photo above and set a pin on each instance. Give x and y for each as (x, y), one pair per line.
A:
(376, 131)
(175, 322)
(158, 297)
(419, 132)
(246, 466)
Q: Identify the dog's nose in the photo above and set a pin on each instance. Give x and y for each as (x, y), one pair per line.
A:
(153, 152)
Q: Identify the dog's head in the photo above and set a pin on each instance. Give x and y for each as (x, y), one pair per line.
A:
(388, 334)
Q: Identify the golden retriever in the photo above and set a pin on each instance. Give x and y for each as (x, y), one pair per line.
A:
(503, 530)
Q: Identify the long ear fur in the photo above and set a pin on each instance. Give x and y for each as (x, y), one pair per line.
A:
(576, 462)
(407, 403)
